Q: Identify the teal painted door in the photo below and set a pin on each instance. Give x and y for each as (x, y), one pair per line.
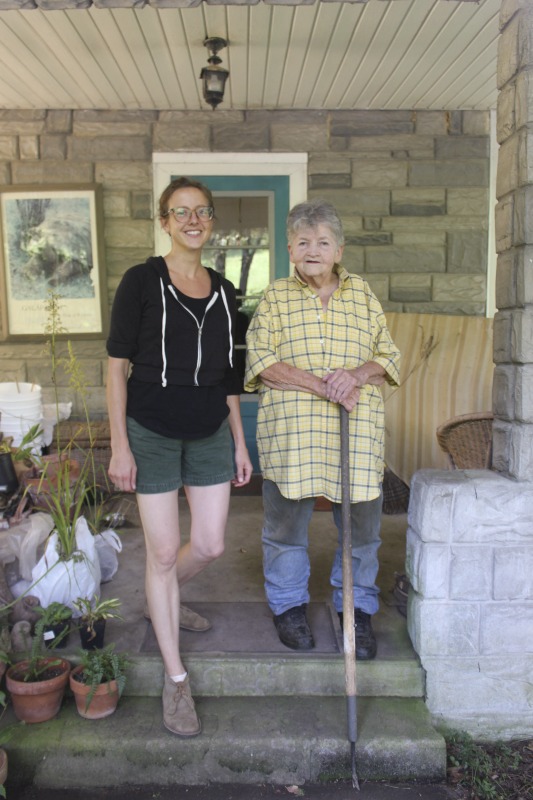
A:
(276, 189)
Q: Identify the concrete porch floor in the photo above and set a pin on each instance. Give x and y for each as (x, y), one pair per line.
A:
(231, 589)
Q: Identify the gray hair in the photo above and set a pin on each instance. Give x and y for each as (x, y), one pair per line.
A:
(311, 215)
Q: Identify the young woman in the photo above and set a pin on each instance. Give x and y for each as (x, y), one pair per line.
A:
(173, 403)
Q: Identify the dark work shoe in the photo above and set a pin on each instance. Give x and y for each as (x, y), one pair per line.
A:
(293, 629)
(365, 641)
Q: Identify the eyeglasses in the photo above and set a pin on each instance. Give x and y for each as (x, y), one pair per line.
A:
(183, 214)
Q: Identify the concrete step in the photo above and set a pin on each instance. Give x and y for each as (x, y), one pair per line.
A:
(259, 675)
(242, 656)
(274, 740)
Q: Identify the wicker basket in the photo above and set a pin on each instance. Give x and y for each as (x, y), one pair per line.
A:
(467, 440)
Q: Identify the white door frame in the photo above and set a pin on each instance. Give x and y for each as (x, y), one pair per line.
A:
(167, 164)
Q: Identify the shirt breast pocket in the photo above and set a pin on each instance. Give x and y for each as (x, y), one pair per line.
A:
(361, 346)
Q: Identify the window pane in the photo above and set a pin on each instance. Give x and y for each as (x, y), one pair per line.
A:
(240, 245)
(240, 250)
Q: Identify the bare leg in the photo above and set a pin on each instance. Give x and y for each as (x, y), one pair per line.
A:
(160, 521)
(209, 514)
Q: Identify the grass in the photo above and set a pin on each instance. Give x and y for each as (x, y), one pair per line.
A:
(499, 771)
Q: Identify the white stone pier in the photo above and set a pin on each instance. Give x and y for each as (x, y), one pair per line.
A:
(470, 561)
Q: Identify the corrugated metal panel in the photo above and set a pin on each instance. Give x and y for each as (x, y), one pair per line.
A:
(383, 54)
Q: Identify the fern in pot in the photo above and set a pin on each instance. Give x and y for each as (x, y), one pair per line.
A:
(37, 684)
(98, 681)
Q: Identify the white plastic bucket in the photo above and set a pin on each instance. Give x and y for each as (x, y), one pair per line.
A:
(20, 408)
(19, 395)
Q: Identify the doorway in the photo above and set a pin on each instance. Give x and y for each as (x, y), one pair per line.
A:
(253, 195)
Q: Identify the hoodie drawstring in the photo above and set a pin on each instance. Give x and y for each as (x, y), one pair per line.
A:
(163, 329)
(224, 300)
(200, 326)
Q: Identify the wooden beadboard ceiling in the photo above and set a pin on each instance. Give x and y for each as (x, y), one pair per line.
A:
(382, 54)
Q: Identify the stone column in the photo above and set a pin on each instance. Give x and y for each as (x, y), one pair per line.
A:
(513, 324)
(470, 536)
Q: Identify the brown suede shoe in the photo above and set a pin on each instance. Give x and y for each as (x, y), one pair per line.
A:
(189, 619)
(179, 713)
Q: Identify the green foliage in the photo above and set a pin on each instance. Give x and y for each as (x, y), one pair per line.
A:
(24, 451)
(99, 502)
(38, 663)
(65, 494)
(52, 615)
(5, 733)
(94, 610)
(484, 769)
(53, 329)
(63, 497)
(37, 666)
(102, 666)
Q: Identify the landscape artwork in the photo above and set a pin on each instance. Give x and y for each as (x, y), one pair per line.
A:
(50, 244)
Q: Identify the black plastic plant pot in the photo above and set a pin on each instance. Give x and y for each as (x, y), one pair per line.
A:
(58, 635)
(9, 483)
(93, 640)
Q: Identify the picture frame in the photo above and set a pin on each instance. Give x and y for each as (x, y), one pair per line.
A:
(51, 239)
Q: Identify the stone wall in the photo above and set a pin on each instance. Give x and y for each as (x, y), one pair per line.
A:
(412, 188)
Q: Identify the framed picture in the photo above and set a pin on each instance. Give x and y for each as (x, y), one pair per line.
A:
(51, 240)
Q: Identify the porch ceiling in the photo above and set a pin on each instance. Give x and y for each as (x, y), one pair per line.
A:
(367, 54)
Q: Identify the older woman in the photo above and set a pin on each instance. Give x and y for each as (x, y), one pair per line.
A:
(319, 339)
(173, 400)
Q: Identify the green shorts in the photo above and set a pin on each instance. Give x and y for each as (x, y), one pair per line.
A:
(165, 464)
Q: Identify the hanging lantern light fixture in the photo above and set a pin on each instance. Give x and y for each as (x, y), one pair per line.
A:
(214, 76)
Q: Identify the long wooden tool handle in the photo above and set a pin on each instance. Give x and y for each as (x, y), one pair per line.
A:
(347, 577)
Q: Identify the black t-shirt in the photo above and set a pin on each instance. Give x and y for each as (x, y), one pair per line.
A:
(179, 412)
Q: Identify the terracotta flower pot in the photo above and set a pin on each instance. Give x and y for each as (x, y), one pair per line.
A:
(38, 701)
(103, 702)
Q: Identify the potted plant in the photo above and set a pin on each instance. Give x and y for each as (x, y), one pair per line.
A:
(54, 624)
(37, 684)
(70, 565)
(5, 735)
(9, 481)
(98, 681)
(25, 452)
(94, 614)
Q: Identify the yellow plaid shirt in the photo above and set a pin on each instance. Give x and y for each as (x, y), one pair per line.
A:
(298, 434)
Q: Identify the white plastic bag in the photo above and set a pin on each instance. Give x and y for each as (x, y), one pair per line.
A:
(23, 540)
(108, 544)
(65, 581)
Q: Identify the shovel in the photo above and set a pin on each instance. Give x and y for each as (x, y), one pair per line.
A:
(347, 591)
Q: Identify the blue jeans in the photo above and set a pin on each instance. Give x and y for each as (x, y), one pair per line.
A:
(285, 551)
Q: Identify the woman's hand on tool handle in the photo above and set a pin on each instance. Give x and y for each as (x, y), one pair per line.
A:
(343, 386)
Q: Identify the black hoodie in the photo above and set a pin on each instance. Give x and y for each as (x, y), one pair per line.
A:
(173, 352)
